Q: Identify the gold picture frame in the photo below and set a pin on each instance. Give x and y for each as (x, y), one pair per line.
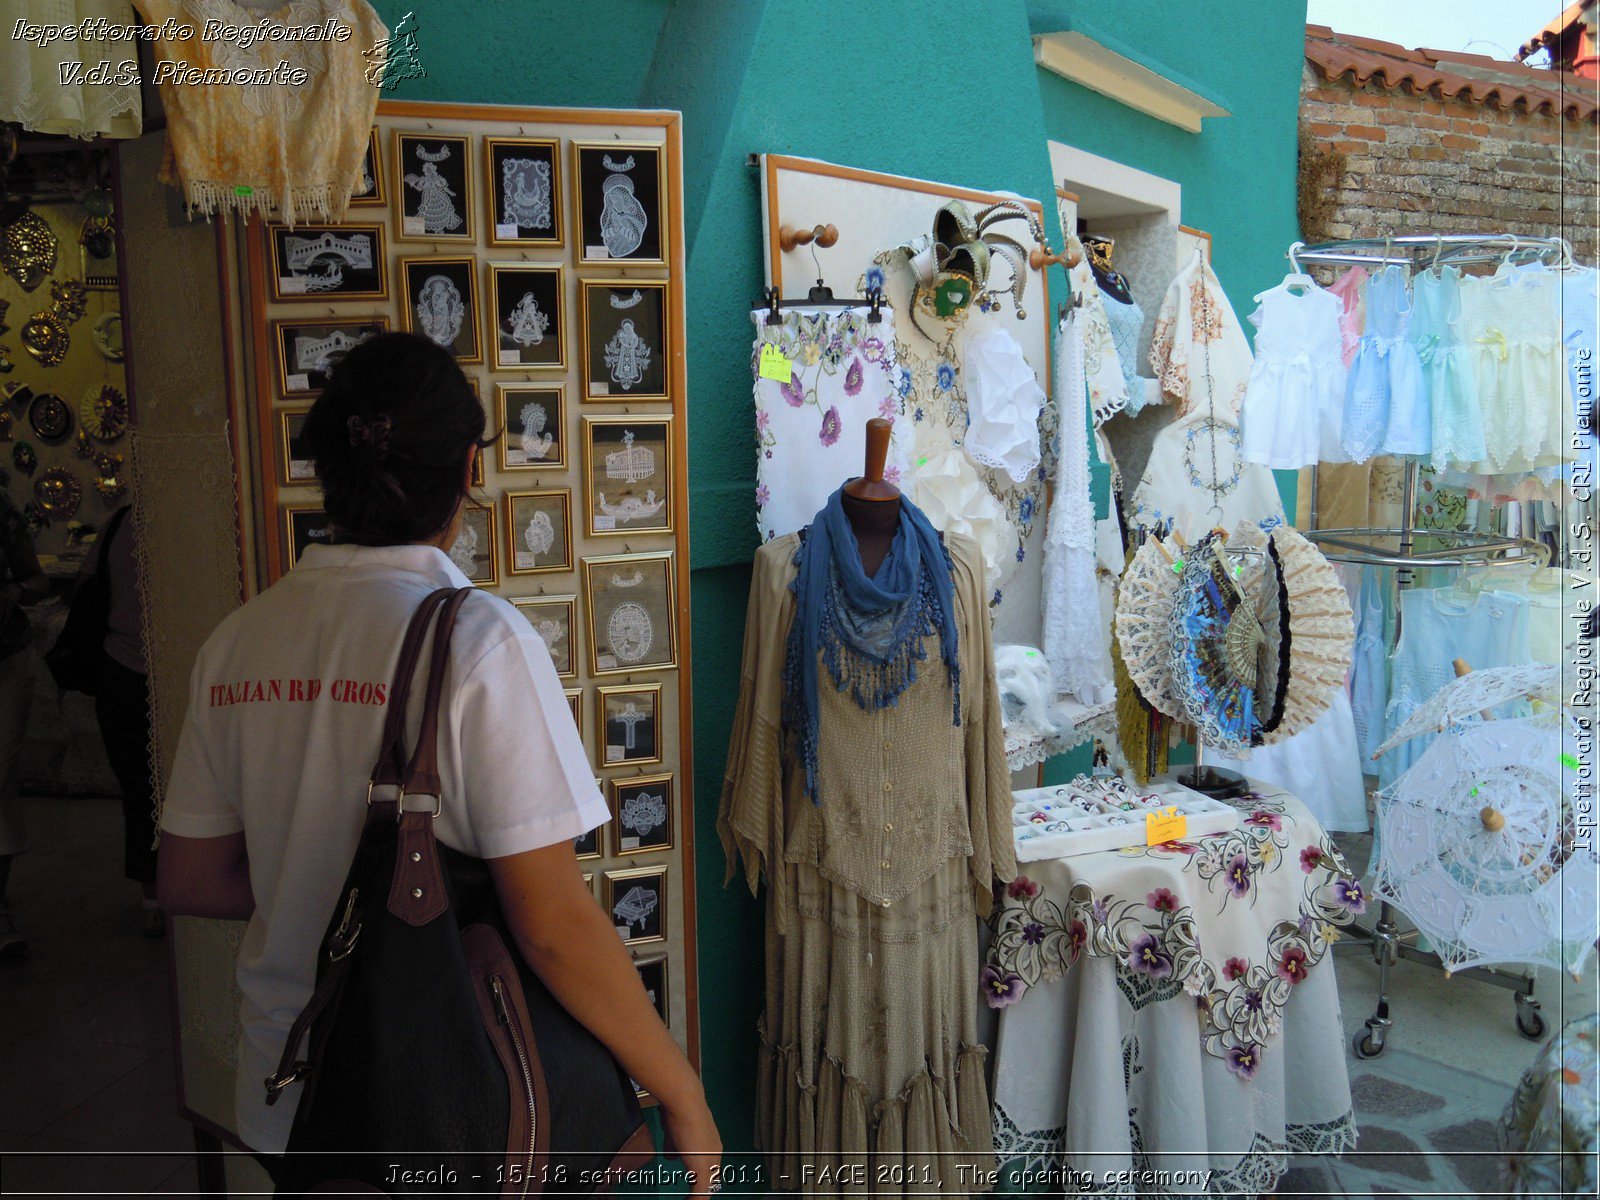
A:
(619, 703)
(563, 640)
(548, 149)
(455, 168)
(514, 398)
(634, 802)
(372, 167)
(359, 247)
(627, 482)
(455, 269)
(548, 530)
(293, 472)
(631, 314)
(303, 525)
(304, 384)
(618, 890)
(595, 230)
(653, 975)
(575, 703)
(546, 285)
(634, 599)
(484, 554)
(592, 844)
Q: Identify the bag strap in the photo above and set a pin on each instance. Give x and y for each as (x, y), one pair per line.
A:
(422, 773)
(389, 770)
(117, 518)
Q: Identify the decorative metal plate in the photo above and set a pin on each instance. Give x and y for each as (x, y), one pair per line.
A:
(58, 492)
(50, 417)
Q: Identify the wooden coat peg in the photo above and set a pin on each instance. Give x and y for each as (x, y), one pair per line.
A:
(872, 485)
(823, 235)
(1041, 256)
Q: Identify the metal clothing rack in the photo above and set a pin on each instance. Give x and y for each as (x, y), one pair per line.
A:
(1406, 548)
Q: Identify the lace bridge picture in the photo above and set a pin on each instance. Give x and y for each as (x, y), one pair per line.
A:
(306, 352)
(322, 262)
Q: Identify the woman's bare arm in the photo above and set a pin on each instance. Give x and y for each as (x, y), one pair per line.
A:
(204, 877)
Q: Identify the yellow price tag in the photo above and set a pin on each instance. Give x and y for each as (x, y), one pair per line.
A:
(774, 365)
(1168, 825)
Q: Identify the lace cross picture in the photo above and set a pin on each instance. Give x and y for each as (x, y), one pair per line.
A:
(555, 620)
(296, 464)
(637, 901)
(528, 311)
(307, 351)
(433, 187)
(653, 974)
(473, 551)
(627, 473)
(439, 300)
(628, 599)
(368, 191)
(524, 191)
(629, 721)
(539, 530)
(621, 217)
(319, 263)
(641, 813)
(625, 341)
(303, 526)
(535, 422)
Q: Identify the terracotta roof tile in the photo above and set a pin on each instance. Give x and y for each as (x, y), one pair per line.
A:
(1449, 75)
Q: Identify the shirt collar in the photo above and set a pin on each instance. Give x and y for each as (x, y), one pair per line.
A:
(430, 562)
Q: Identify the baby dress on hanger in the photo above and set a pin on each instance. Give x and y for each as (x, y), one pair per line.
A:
(1436, 332)
(1513, 323)
(1386, 404)
(1127, 321)
(1294, 405)
(1351, 289)
(1580, 308)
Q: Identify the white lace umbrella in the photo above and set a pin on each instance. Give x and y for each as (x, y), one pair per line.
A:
(1480, 846)
(1477, 692)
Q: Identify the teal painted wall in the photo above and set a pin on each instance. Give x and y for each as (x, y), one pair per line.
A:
(914, 87)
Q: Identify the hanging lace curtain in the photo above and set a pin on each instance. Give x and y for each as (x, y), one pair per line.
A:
(51, 87)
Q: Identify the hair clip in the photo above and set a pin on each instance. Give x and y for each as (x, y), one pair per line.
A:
(375, 435)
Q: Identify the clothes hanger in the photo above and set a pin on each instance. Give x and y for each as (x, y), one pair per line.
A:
(820, 295)
(1296, 278)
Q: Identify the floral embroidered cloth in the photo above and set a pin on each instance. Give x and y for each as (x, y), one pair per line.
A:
(811, 432)
(1550, 1130)
(1192, 971)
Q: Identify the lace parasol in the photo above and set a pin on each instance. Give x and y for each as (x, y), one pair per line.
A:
(1475, 693)
(1321, 632)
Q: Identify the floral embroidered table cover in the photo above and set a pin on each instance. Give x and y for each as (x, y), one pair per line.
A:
(1216, 936)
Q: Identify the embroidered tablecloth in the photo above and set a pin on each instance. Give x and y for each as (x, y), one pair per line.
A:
(1173, 1009)
(1550, 1131)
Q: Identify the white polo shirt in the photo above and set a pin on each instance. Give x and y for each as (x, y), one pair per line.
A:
(286, 711)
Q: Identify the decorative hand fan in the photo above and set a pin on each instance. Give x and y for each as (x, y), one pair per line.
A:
(1145, 596)
(1478, 692)
(1219, 703)
(1321, 632)
(1261, 579)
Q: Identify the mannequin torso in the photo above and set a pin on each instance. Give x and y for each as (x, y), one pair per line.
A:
(874, 522)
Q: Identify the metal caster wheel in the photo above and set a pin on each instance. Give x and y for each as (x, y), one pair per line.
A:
(1530, 1024)
(1368, 1043)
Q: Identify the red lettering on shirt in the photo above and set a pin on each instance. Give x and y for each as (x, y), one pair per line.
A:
(299, 691)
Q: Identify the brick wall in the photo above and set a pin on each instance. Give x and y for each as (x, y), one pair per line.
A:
(1420, 165)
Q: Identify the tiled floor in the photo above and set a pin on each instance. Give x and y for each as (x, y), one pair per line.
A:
(86, 1067)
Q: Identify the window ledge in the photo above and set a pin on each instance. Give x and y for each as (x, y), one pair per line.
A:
(1083, 60)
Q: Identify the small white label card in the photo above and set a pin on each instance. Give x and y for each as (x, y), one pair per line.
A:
(292, 285)
(505, 231)
(300, 382)
(604, 523)
(413, 226)
(599, 389)
(510, 358)
(596, 252)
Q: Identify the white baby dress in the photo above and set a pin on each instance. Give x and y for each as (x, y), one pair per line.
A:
(1294, 407)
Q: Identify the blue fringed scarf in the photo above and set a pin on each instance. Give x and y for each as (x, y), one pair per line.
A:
(869, 631)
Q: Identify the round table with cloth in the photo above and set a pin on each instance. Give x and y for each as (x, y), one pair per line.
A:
(1168, 1016)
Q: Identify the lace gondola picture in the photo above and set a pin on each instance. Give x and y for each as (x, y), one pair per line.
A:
(627, 465)
(323, 263)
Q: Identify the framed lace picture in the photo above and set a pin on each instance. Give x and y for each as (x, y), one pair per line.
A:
(304, 526)
(629, 602)
(629, 724)
(627, 475)
(575, 703)
(327, 262)
(555, 620)
(653, 974)
(539, 531)
(439, 299)
(620, 212)
(296, 461)
(432, 187)
(637, 901)
(624, 341)
(308, 350)
(473, 551)
(528, 315)
(524, 190)
(587, 845)
(535, 423)
(368, 192)
(641, 813)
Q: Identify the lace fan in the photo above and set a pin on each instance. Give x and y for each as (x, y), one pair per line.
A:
(1145, 597)
(1321, 632)
(1216, 697)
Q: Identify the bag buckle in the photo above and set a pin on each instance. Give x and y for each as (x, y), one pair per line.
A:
(343, 939)
(276, 1083)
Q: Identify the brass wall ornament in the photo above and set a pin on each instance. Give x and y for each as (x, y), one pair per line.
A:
(103, 411)
(108, 479)
(69, 299)
(45, 336)
(58, 492)
(28, 250)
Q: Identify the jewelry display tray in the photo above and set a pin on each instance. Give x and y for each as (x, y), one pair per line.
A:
(1081, 818)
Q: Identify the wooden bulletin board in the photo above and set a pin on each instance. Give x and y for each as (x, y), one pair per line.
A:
(873, 212)
(604, 477)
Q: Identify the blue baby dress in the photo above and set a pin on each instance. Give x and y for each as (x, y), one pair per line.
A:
(1386, 403)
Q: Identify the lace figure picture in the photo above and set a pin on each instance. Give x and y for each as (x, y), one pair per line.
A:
(539, 526)
(303, 526)
(627, 466)
(296, 463)
(555, 620)
(524, 191)
(620, 210)
(307, 351)
(433, 187)
(328, 262)
(534, 420)
(637, 902)
(629, 722)
(624, 341)
(653, 974)
(629, 602)
(368, 190)
(641, 813)
(473, 551)
(440, 301)
(587, 845)
(528, 311)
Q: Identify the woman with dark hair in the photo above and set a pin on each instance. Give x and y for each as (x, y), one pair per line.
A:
(286, 711)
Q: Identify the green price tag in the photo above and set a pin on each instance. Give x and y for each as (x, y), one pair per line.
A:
(1570, 762)
(243, 189)
(774, 365)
